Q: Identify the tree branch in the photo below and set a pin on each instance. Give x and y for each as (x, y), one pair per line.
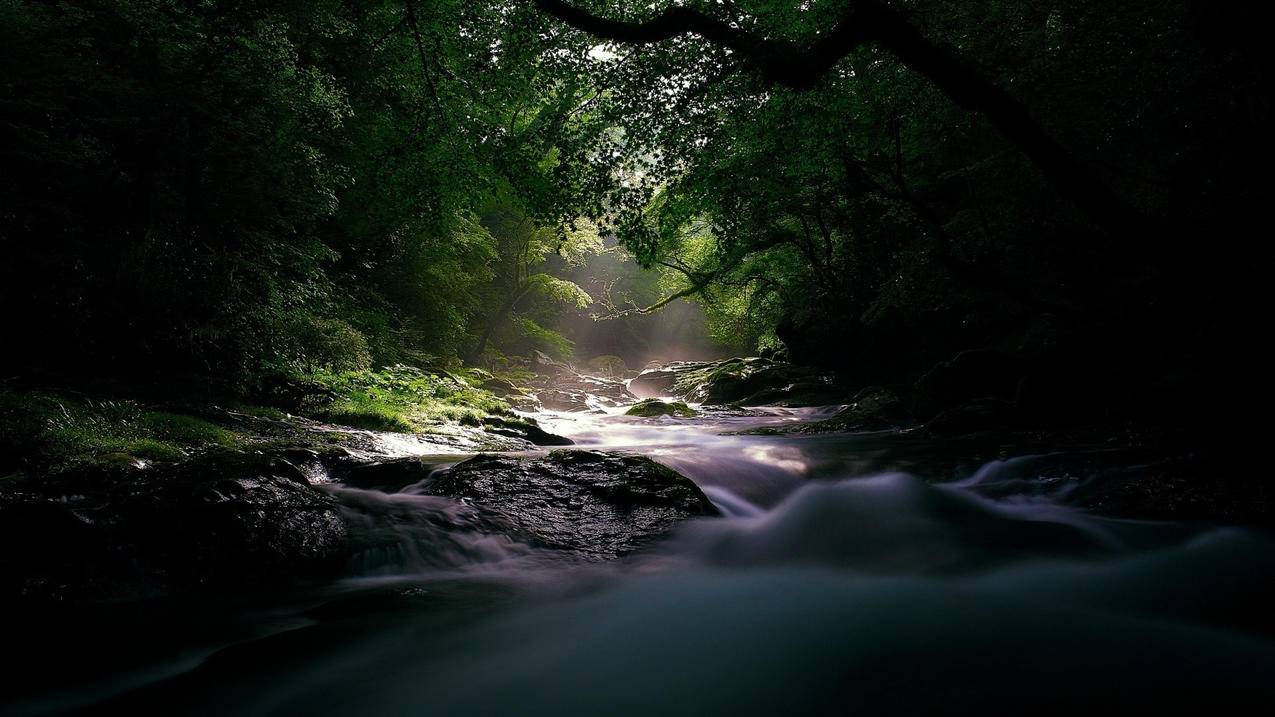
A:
(692, 289)
(866, 21)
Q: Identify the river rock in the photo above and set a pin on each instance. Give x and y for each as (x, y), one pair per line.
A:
(545, 365)
(524, 428)
(555, 399)
(593, 504)
(569, 390)
(606, 391)
(501, 387)
(662, 381)
(391, 475)
(227, 519)
(742, 381)
(652, 407)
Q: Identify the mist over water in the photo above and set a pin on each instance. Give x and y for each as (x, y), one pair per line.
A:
(865, 573)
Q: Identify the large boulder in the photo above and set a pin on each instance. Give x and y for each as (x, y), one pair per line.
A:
(223, 520)
(761, 382)
(545, 365)
(752, 381)
(606, 391)
(571, 391)
(744, 382)
(663, 381)
(595, 505)
(524, 428)
(555, 399)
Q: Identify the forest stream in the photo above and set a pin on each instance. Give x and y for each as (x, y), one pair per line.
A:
(846, 571)
(678, 357)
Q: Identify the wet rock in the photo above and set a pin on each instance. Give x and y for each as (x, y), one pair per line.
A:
(545, 365)
(774, 353)
(571, 391)
(220, 520)
(593, 504)
(559, 400)
(501, 387)
(661, 381)
(874, 408)
(390, 476)
(525, 429)
(652, 407)
(606, 391)
(742, 381)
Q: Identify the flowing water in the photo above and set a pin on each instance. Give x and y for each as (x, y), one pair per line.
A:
(878, 573)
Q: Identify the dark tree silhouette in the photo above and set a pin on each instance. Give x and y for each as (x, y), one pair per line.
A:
(868, 21)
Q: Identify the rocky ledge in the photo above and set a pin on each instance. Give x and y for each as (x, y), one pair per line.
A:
(594, 505)
(222, 520)
(238, 520)
(752, 381)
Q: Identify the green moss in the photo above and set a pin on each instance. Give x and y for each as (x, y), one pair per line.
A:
(53, 430)
(185, 430)
(262, 412)
(149, 448)
(655, 407)
(371, 416)
(404, 399)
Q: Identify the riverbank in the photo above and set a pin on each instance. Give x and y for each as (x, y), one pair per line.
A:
(723, 545)
(124, 499)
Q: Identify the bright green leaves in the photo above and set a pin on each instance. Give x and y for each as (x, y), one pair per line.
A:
(559, 290)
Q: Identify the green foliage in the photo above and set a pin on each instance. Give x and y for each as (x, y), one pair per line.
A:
(244, 190)
(531, 336)
(404, 399)
(249, 190)
(58, 429)
(523, 299)
(329, 344)
(560, 291)
(872, 214)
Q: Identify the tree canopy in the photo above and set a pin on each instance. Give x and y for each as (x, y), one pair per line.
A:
(244, 189)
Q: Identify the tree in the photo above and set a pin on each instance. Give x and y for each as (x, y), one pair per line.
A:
(521, 248)
(870, 21)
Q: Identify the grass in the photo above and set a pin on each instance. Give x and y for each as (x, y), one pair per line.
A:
(54, 429)
(48, 430)
(404, 399)
(262, 412)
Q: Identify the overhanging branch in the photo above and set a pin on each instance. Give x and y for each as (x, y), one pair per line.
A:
(866, 21)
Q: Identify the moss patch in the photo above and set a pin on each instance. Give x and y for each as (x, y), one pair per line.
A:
(654, 407)
(52, 430)
(403, 399)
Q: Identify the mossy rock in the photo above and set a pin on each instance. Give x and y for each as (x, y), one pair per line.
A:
(652, 407)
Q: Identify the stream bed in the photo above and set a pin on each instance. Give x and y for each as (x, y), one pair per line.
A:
(873, 573)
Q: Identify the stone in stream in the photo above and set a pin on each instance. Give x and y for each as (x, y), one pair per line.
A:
(743, 382)
(571, 391)
(593, 504)
(226, 520)
(652, 407)
(555, 399)
(660, 381)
